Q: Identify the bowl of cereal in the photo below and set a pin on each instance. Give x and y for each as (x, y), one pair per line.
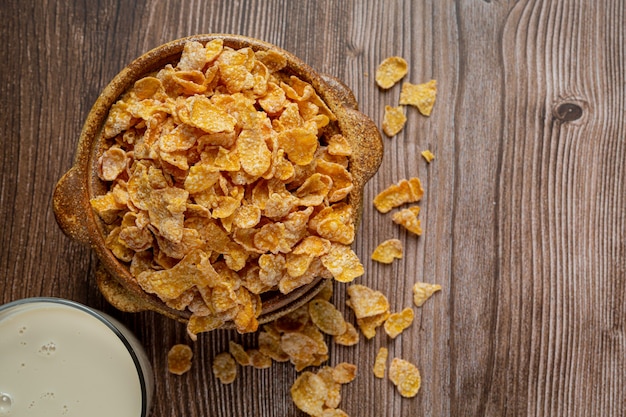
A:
(219, 180)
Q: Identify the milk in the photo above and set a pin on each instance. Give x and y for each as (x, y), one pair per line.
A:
(59, 358)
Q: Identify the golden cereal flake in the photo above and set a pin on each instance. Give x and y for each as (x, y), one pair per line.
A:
(390, 71)
(380, 363)
(387, 251)
(422, 291)
(421, 96)
(396, 323)
(309, 393)
(407, 218)
(405, 376)
(179, 359)
(394, 120)
(428, 156)
(225, 367)
(405, 191)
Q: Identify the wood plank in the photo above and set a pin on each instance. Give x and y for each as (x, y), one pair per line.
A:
(524, 213)
(560, 222)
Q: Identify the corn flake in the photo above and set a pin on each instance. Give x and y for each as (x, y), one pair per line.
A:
(407, 218)
(348, 338)
(405, 376)
(338, 145)
(335, 223)
(333, 396)
(380, 363)
(112, 163)
(387, 251)
(343, 263)
(405, 191)
(225, 367)
(239, 353)
(208, 116)
(366, 302)
(344, 372)
(393, 120)
(368, 325)
(179, 359)
(390, 71)
(269, 345)
(396, 323)
(258, 359)
(309, 393)
(428, 156)
(421, 96)
(423, 291)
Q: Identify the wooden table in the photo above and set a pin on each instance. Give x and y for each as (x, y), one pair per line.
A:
(524, 213)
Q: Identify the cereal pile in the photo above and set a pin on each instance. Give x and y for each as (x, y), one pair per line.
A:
(227, 178)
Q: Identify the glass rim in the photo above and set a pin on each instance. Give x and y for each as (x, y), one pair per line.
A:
(143, 385)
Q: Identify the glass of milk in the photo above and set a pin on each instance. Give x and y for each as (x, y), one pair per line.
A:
(61, 358)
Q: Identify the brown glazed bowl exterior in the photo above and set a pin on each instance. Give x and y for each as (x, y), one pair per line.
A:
(72, 194)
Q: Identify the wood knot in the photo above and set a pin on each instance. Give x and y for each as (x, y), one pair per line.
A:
(568, 112)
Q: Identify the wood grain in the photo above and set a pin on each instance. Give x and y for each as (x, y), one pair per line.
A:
(524, 214)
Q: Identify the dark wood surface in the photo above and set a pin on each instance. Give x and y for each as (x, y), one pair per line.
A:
(524, 213)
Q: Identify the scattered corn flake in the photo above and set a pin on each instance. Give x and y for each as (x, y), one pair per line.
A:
(405, 376)
(421, 96)
(428, 156)
(326, 317)
(407, 218)
(394, 120)
(380, 363)
(390, 71)
(333, 396)
(405, 191)
(422, 291)
(396, 323)
(269, 345)
(258, 359)
(366, 302)
(239, 353)
(309, 393)
(349, 338)
(225, 367)
(179, 359)
(319, 394)
(344, 372)
(387, 251)
(300, 348)
(368, 325)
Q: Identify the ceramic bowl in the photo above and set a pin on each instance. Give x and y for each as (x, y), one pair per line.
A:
(80, 183)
